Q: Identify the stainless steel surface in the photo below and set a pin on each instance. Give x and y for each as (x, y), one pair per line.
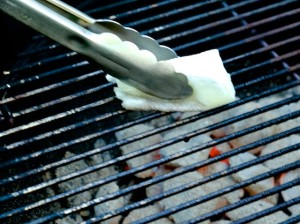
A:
(79, 32)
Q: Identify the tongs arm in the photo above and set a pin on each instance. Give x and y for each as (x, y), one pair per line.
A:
(55, 19)
(79, 32)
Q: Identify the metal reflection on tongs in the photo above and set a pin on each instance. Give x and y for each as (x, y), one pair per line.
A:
(78, 31)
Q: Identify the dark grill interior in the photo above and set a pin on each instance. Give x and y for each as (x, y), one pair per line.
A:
(64, 135)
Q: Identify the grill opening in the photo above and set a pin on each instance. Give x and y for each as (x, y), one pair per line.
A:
(71, 154)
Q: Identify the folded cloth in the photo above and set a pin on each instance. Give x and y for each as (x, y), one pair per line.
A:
(211, 84)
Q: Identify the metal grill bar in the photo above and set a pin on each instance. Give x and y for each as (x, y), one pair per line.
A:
(86, 122)
(268, 77)
(256, 197)
(292, 220)
(259, 36)
(229, 32)
(175, 12)
(202, 181)
(56, 85)
(67, 98)
(109, 6)
(262, 41)
(102, 165)
(146, 166)
(45, 61)
(109, 85)
(226, 47)
(183, 22)
(214, 195)
(100, 11)
(222, 22)
(188, 204)
(197, 17)
(141, 9)
(268, 211)
(60, 115)
(100, 88)
(59, 147)
(266, 48)
(279, 44)
(267, 62)
(247, 69)
(84, 93)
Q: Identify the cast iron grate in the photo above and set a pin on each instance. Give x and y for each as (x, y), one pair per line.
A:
(54, 102)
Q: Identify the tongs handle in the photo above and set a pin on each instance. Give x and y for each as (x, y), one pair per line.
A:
(80, 32)
(53, 18)
(69, 12)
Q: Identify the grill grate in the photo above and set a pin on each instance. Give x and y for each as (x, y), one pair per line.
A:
(56, 105)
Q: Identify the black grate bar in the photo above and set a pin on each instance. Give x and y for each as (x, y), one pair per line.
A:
(108, 85)
(142, 9)
(53, 86)
(201, 181)
(54, 117)
(84, 123)
(268, 211)
(229, 32)
(263, 49)
(259, 36)
(40, 63)
(28, 53)
(179, 10)
(256, 197)
(67, 98)
(268, 77)
(229, 60)
(64, 129)
(149, 19)
(202, 27)
(262, 41)
(195, 18)
(57, 116)
(235, 44)
(102, 165)
(167, 127)
(156, 163)
(228, 189)
(108, 7)
(220, 35)
(293, 220)
(84, 138)
(267, 62)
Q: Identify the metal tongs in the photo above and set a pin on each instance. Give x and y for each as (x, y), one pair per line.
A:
(78, 31)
